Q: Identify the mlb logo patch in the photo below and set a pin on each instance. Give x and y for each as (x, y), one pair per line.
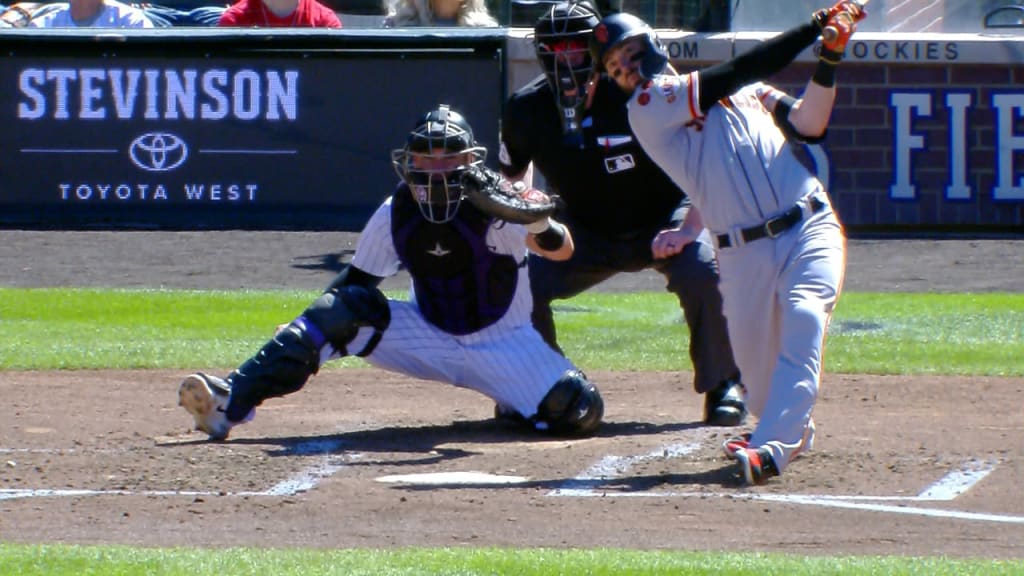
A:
(503, 155)
(619, 163)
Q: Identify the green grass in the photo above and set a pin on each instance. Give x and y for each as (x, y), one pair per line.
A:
(43, 329)
(120, 561)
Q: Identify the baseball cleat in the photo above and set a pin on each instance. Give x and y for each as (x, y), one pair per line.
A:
(206, 398)
(756, 464)
(726, 404)
(735, 444)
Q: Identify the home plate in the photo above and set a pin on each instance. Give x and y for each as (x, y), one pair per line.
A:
(450, 478)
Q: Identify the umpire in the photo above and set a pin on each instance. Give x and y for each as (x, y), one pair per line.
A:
(623, 211)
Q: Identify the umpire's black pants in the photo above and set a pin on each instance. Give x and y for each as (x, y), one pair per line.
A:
(692, 275)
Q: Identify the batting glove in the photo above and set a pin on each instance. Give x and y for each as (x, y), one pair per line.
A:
(840, 23)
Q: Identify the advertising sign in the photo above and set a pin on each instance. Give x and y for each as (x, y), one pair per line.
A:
(280, 138)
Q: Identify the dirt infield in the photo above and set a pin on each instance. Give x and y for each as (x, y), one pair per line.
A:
(909, 466)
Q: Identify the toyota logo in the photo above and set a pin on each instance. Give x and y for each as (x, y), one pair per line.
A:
(158, 152)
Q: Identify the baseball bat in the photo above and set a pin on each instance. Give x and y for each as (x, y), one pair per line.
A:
(830, 33)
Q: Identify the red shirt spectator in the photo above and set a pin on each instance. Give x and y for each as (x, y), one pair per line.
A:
(307, 14)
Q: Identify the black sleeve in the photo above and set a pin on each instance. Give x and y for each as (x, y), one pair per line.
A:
(352, 276)
(514, 156)
(721, 80)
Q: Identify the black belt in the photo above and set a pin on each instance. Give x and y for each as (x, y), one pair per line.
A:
(775, 226)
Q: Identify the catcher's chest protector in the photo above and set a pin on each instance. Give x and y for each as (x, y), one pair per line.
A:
(461, 286)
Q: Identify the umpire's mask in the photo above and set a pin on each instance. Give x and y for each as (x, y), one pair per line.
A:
(561, 38)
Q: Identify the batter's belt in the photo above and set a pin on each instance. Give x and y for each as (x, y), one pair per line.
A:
(774, 226)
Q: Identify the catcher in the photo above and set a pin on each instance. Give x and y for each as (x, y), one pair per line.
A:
(467, 322)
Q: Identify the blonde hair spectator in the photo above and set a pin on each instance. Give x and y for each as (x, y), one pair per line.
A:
(403, 13)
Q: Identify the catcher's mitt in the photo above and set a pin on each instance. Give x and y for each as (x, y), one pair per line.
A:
(495, 196)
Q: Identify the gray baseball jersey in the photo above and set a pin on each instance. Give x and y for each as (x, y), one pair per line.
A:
(779, 292)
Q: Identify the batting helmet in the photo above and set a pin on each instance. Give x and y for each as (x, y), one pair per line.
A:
(616, 29)
(436, 152)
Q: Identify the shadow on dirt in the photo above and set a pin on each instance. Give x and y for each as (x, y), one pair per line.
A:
(331, 262)
(429, 438)
(431, 445)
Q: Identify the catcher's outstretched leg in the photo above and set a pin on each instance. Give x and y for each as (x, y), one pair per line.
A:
(284, 364)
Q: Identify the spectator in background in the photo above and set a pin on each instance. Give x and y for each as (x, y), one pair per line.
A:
(16, 15)
(280, 14)
(92, 13)
(165, 16)
(403, 13)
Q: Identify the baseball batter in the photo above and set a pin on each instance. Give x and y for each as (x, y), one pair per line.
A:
(467, 322)
(623, 210)
(729, 141)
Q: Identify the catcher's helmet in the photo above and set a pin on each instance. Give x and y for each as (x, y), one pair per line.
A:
(561, 39)
(438, 149)
(618, 28)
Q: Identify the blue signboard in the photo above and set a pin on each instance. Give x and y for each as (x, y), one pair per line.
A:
(281, 135)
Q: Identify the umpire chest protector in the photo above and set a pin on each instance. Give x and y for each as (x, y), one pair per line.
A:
(461, 285)
(610, 169)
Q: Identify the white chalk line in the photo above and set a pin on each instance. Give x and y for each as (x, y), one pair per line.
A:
(308, 478)
(959, 481)
(848, 502)
(608, 468)
(891, 509)
(945, 489)
(302, 481)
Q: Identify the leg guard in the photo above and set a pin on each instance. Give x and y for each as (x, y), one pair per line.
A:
(573, 407)
(286, 362)
(338, 314)
(281, 367)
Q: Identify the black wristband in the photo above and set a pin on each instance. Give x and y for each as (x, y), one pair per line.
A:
(825, 73)
(552, 238)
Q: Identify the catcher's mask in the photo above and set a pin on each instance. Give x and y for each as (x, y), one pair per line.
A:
(561, 38)
(647, 54)
(436, 152)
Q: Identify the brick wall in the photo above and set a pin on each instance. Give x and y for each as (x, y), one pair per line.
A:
(864, 143)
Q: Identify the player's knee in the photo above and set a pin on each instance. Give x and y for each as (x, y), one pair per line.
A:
(573, 406)
(340, 312)
(808, 318)
(694, 270)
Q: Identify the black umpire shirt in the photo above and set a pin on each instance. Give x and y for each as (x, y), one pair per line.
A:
(609, 185)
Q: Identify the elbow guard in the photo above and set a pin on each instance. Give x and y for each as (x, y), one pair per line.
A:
(781, 113)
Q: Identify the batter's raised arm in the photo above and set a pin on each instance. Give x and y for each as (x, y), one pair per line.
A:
(771, 56)
(806, 118)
